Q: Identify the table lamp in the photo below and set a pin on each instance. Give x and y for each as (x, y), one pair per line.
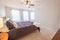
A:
(3, 27)
(1, 23)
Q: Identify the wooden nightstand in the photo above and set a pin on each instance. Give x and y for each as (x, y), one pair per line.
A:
(3, 36)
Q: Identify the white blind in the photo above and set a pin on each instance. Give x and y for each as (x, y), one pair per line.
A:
(32, 16)
(15, 15)
(25, 16)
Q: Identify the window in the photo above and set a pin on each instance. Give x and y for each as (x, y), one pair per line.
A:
(25, 16)
(20, 15)
(15, 15)
(32, 16)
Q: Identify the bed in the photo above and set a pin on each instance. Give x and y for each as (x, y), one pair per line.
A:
(23, 29)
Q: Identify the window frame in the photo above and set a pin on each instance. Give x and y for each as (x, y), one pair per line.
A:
(21, 13)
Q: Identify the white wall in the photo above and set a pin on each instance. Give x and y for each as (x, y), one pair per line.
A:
(2, 11)
(47, 13)
(0, 8)
(59, 13)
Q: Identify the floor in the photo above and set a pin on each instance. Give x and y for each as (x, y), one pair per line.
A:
(44, 34)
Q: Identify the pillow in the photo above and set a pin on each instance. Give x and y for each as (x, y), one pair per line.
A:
(4, 29)
(10, 25)
(15, 24)
(36, 24)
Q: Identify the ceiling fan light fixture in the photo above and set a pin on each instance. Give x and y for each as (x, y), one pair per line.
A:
(29, 3)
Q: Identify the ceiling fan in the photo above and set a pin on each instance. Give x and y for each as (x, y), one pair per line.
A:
(29, 3)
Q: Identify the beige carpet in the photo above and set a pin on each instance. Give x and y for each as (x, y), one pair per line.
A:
(44, 34)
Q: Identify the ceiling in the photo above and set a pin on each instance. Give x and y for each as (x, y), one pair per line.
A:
(22, 1)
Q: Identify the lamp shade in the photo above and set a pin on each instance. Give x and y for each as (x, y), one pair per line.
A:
(1, 22)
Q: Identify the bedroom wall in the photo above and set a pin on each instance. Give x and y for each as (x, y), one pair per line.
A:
(1, 9)
(59, 14)
(47, 13)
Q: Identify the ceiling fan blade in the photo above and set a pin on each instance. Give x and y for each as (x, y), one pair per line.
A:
(31, 4)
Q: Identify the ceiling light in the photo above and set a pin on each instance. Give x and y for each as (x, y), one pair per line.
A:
(29, 3)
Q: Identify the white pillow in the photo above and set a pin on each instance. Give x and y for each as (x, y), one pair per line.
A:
(36, 24)
(15, 24)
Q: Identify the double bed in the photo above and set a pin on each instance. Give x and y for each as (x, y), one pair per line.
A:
(23, 29)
